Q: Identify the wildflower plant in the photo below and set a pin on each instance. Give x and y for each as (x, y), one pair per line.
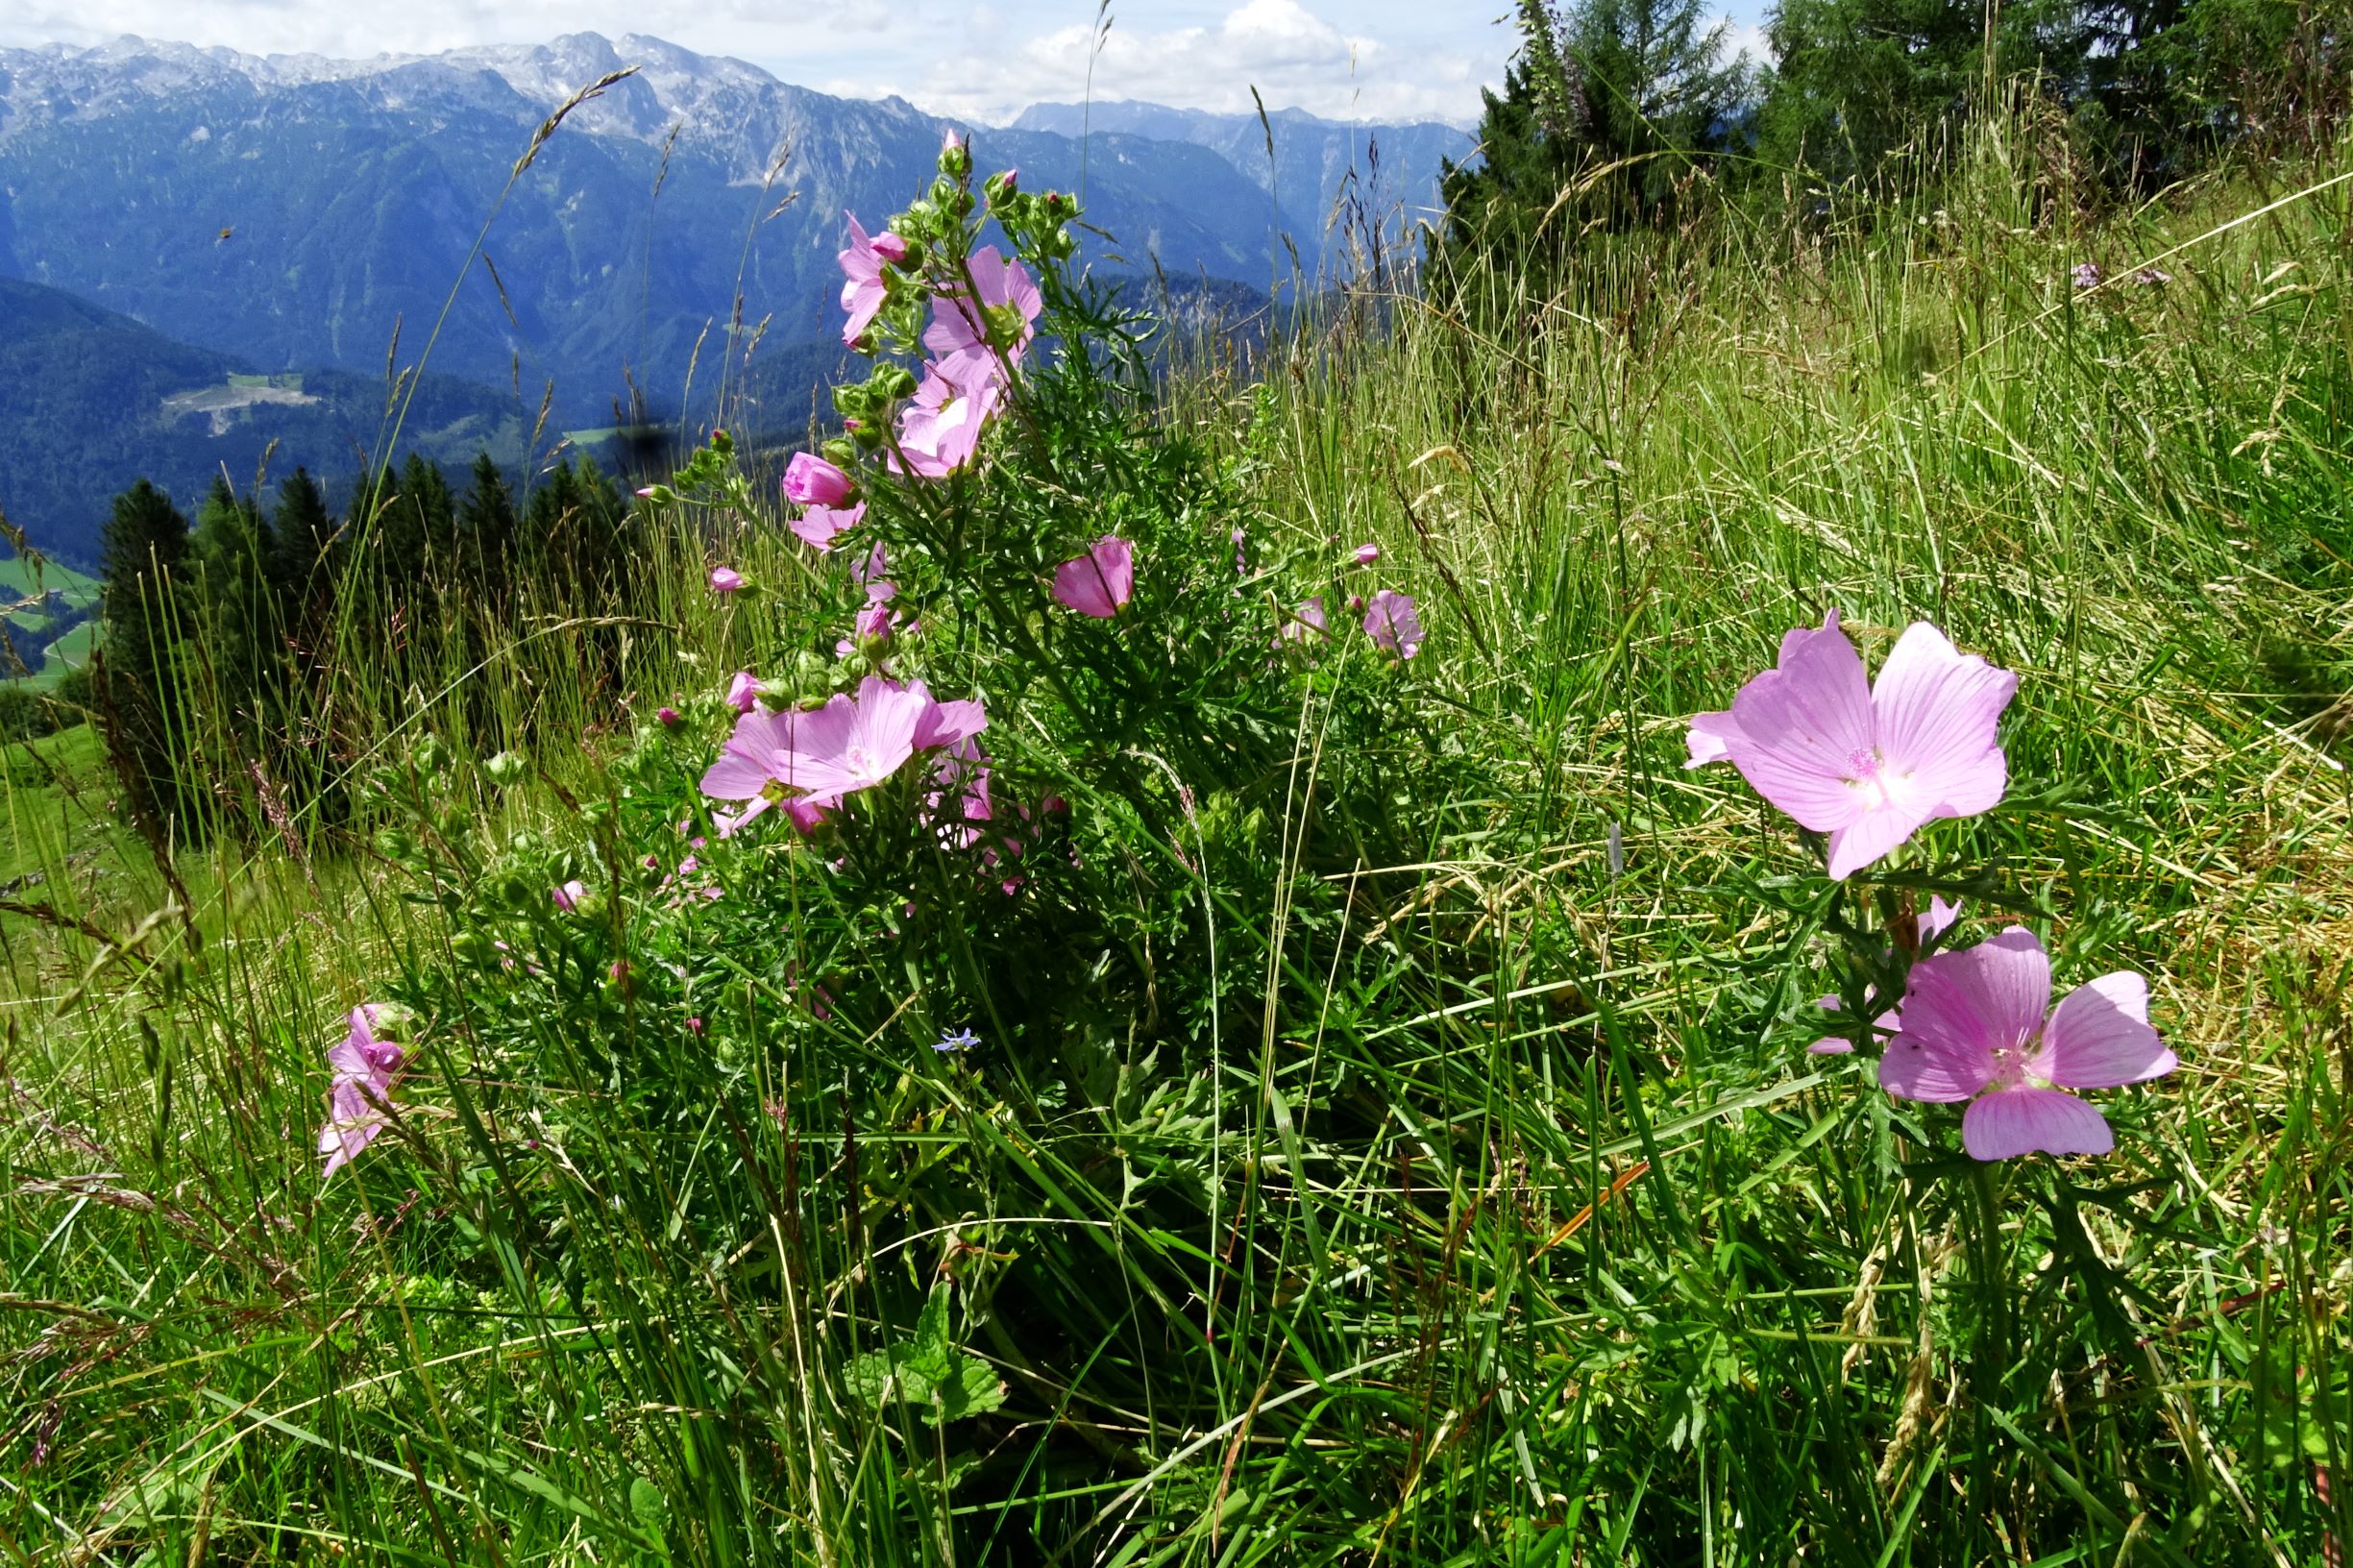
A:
(954, 839)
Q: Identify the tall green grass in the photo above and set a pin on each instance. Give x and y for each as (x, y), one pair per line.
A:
(1535, 1237)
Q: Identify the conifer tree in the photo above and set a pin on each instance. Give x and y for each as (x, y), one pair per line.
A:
(144, 613)
(234, 555)
(302, 575)
(488, 528)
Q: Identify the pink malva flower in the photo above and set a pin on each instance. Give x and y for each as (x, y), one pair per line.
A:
(818, 526)
(1307, 624)
(864, 294)
(817, 757)
(1868, 765)
(743, 691)
(1978, 1026)
(1393, 624)
(725, 579)
(1933, 920)
(668, 717)
(940, 431)
(365, 1069)
(964, 324)
(811, 480)
(1100, 582)
(568, 896)
(1365, 555)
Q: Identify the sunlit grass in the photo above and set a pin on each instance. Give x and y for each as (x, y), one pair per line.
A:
(1538, 1237)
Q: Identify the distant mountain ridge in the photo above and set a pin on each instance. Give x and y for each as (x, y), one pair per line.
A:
(299, 214)
(91, 400)
(1317, 164)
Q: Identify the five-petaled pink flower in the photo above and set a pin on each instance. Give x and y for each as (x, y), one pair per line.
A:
(811, 480)
(725, 579)
(1869, 765)
(1393, 624)
(365, 1068)
(1099, 582)
(818, 526)
(940, 431)
(964, 324)
(809, 760)
(864, 294)
(1977, 1025)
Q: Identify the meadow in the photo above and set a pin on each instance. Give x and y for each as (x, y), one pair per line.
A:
(1339, 1106)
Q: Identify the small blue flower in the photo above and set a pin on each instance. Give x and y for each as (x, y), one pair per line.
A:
(962, 1040)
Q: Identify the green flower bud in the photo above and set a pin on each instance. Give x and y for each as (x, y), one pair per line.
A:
(506, 768)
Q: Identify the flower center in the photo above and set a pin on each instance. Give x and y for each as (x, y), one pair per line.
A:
(1864, 777)
(2010, 1064)
(859, 761)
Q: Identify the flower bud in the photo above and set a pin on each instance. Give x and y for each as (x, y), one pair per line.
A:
(1002, 185)
(813, 480)
(955, 155)
(506, 768)
(839, 451)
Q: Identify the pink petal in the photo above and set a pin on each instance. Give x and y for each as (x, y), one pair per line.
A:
(1869, 836)
(2098, 1037)
(1830, 1045)
(1920, 1066)
(1938, 917)
(1804, 724)
(1983, 998)
(2016, 1121)
(1710, 737)
(1937, 710)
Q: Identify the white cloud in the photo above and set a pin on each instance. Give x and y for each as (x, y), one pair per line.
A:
(983, 60)
(1294, 57)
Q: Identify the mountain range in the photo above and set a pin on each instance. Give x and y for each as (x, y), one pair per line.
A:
(293, 215)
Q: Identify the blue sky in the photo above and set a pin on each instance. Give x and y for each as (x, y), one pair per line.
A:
(980, 59)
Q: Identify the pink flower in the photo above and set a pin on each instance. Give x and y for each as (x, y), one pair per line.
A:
(568, 896)
(1868, 765)
(725, 579)
(818, 526)
(1100, 582)
(1365, 555)
(667, 718)
(864, 294)
(1978, 1026)
(1935, 920)
(1307, 624)
(967, 328)
(743, 691)
(365, 1069)
(811, 480)
(1393, 624)
(940, 431)
(814, 758)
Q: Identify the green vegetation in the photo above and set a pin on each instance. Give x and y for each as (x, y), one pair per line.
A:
(1389, 1135)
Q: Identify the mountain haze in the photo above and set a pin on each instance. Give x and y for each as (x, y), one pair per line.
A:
(296, 211)
(1318, 165)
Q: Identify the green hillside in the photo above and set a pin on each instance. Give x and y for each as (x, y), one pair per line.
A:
(1677, 900)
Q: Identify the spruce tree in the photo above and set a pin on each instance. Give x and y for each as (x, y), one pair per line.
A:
(235, 555)
(143, 611)
(488, 528)
(302, 577)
